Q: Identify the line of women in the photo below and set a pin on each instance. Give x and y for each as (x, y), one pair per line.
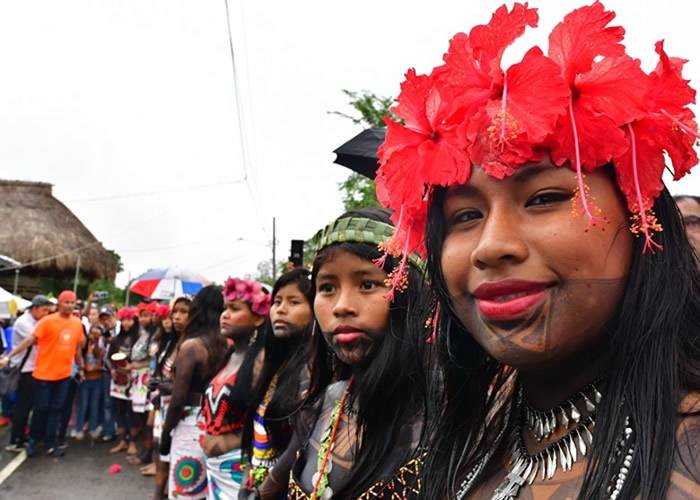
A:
(528, 329)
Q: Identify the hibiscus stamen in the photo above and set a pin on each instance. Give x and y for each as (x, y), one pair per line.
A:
(588, 207)
(434, 325)
(644, 221)
(685, 128)
(503, 106)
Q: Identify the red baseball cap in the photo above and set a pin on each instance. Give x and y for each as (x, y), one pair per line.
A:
(67, 296)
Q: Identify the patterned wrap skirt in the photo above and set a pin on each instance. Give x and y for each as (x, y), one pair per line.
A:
(188, 475)
(139, 390)
(224, 474)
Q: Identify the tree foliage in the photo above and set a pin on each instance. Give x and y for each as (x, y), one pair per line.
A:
(357, 190)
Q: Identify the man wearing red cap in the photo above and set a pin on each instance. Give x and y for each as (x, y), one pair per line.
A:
(58, 337)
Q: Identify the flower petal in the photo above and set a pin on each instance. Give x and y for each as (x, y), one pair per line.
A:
(615, 87)
(490, 40)
(599, 138)
(581, 36)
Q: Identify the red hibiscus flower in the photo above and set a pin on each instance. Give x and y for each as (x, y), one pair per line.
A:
(667, 128)
(607, 90)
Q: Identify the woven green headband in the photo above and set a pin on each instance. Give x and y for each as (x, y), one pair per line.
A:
(359, 230)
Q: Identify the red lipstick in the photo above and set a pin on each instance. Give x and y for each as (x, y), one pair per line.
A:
(344, 334)
(509, 299)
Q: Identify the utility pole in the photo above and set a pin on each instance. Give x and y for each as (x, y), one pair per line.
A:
(16, 285)
(128, 286)
(274, 249)
(77, 276)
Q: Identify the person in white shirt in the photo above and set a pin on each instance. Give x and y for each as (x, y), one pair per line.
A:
(23, 327)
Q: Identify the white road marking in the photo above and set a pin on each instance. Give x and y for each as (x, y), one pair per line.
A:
(12, 466)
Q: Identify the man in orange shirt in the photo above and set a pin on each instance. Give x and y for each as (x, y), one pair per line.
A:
(58, 337)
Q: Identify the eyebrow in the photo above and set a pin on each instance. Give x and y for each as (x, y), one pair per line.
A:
(358, 273)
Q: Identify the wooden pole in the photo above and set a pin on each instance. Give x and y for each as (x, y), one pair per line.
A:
(274, 249)
(77, 276)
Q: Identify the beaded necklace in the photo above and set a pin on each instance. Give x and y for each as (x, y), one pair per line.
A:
(321, 488)
(263, 455)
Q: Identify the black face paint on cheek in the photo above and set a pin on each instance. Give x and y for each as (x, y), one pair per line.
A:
(358, 352)
(572, 316)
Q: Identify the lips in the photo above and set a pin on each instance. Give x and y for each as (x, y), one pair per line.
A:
(509, 299)
(345, 334)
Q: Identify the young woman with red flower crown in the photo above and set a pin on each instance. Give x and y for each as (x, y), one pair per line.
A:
(568, 343)
(359, 438)
(228, 396)
(295, 370)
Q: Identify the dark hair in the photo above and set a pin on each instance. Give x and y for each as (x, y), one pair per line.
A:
(388, 392)
(653, 339)
(125, 337)
(203, 324)
(287, 357)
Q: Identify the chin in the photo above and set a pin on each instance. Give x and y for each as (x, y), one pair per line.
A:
(281, 334)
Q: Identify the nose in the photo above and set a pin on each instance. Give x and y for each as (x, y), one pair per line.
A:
(345, 304)
(501, 241)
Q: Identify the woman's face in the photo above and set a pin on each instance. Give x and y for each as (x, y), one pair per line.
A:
(690, 210)
(290, 313)
(127, 323)
(144, 318)
(350, 305)
(238, 319)
(180, 315)
(93, 316)
(167, 324)
(95, 333)
(527, 277)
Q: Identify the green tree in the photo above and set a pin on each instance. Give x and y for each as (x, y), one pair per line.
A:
(115, 295)
(357, 190)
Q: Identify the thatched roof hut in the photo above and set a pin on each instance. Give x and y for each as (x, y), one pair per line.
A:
(39, 230)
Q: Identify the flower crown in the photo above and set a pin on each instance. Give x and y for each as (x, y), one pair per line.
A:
(163, 311)
(586, 103)
(249, 291)
(127, 313)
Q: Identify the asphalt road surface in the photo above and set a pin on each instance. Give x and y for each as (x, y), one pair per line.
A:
(83, 473)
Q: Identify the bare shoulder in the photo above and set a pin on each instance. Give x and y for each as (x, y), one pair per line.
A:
(685, 477)
(191, 347)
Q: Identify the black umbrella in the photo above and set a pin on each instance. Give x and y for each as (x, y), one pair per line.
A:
(359, 154)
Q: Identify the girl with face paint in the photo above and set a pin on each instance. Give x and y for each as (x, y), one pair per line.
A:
(361, 433)
(568, 344)
(227, 397)
(295, 370)
(119, 387)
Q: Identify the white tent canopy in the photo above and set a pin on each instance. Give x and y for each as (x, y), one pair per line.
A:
(10, 304)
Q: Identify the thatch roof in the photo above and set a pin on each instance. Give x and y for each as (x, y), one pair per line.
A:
(37, 226)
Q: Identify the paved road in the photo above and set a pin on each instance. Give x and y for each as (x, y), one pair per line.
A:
(82, 474)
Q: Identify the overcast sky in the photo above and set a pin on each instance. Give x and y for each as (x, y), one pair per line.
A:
(108, 100)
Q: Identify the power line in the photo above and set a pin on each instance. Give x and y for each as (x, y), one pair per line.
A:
(239, 116)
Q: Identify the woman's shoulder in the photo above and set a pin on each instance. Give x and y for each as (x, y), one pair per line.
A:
(191, 346)
(685, 477)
